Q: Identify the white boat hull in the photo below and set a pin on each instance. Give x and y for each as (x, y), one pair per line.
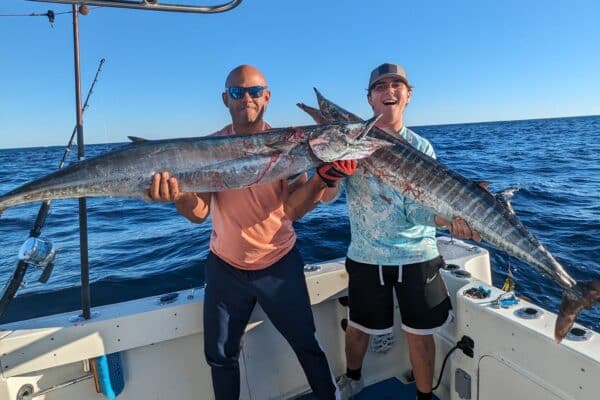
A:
(161, 347)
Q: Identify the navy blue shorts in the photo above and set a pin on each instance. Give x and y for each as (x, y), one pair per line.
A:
(421, 293)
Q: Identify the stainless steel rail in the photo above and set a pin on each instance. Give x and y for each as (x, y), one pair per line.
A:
(152, 5)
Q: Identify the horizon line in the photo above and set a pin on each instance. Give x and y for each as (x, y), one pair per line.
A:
(412, 126)
(506, 120)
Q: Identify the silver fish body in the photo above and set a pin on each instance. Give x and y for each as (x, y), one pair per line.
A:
(449, 194)
(206, 164)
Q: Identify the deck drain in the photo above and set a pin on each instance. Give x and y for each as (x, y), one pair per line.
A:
(25, 392)
(168, 298)
(529, 313)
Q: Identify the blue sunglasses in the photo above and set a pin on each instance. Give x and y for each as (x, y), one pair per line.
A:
(237, 92)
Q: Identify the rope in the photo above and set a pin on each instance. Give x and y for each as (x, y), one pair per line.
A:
(509, 283)
(49, 14)
(444, 366)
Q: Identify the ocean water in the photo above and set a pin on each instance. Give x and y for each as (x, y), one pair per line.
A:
(138, 249)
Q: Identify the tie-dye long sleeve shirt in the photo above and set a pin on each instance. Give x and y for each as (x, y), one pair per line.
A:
(388, 228)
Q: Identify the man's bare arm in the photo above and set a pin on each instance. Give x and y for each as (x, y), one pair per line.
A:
(303, 195)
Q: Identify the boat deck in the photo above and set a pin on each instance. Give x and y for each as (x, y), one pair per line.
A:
(389, 389)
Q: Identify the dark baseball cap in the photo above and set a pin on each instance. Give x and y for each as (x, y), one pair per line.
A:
(388, 70)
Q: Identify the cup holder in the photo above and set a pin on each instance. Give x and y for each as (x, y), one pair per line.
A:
(529, 313)
(579, 334)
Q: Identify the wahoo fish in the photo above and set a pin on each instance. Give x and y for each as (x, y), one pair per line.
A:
(205, 164)
(449, 194)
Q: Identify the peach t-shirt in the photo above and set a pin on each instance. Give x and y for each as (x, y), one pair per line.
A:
(250, 228)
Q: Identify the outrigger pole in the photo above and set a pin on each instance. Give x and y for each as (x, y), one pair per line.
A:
(83, 227)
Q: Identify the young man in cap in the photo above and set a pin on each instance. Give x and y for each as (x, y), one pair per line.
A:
(393, 246)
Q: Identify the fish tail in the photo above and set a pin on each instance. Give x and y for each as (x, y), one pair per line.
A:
(583, 295)
(316, 114)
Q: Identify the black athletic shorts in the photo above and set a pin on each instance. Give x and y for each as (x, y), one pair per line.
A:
(422, 296)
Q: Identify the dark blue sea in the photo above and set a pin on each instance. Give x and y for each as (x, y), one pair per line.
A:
(139, 249)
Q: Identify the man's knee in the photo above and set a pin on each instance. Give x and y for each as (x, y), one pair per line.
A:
(219, 360)
(220, 354)
(355, 335)
(420, 343)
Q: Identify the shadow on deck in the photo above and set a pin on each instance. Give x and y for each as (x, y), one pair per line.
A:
(390, 389)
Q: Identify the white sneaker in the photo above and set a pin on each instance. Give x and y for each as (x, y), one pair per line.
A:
(349, 387)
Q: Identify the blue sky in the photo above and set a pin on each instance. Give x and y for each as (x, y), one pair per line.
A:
(468, 61)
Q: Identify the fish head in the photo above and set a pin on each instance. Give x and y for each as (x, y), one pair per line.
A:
(345, 141)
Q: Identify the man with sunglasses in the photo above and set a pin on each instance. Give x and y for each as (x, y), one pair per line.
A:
(252, 256)
(393, 247)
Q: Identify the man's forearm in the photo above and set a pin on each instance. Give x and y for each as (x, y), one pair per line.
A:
(305, 198)
(194, 206)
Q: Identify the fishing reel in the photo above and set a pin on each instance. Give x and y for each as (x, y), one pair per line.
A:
(40, 252)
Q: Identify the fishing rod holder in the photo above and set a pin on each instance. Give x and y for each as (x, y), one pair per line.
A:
(152, 5)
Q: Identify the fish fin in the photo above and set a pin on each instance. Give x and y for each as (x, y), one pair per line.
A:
(280, 147)
(137, 139)
(483, 184)
(584, 295)
(368, 125)
(321, 100)
(508, 193)
(315, 113)
(505, 197)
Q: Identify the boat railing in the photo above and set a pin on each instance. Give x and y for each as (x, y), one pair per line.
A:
(152, 5)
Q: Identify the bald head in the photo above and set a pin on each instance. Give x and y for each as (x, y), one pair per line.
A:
(245, 75)
(248, 110)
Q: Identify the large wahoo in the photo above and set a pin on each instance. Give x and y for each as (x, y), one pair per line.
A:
(450, 195)
(206, 164)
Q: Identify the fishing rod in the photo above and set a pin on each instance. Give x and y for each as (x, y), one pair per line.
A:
(37, 251)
